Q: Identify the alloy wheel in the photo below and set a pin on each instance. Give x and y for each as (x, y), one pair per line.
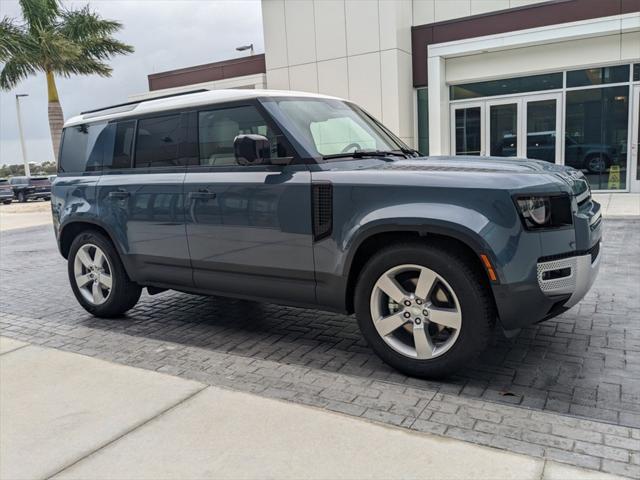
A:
(93, 274)
(415, 311)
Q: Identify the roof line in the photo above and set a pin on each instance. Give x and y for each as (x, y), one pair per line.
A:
(136, 102)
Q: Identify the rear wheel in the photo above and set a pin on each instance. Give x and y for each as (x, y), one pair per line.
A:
(423, 309)
(98, 278)
(7, 202)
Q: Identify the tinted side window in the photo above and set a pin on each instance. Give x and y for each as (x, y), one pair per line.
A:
(84, 147)
(161, 142)
(122, 146)
(218, 128)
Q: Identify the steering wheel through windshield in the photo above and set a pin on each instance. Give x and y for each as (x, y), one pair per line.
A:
(354, 145)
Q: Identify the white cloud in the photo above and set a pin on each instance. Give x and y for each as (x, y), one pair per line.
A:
(166, 34)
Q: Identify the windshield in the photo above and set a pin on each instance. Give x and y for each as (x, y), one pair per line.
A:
(328, 127)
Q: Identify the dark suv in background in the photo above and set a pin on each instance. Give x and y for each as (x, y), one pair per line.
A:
(31, 188)
(6, 191)
(307, 200)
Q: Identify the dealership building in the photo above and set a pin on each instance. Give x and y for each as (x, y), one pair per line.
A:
(557, 80)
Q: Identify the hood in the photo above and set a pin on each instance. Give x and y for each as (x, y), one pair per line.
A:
(573, 178)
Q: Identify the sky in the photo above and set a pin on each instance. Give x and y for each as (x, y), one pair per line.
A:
(166, 34)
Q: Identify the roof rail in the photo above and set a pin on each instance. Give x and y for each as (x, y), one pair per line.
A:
(136, 102)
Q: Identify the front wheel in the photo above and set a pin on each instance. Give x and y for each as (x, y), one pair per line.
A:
(423, 309)
(98, 278)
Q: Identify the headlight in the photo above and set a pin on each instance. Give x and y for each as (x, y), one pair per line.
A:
(538, 211)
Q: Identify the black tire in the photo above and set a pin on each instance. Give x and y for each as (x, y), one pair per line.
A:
(22, 198)
(124, 293)
(46, 199)
(7, 202)
(473, 293)
(605, 162)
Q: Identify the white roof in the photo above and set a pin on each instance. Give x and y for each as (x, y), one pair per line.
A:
(210, 97)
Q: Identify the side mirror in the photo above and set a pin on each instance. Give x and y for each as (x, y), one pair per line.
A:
(251, 149)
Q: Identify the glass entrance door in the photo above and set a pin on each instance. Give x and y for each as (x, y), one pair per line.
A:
(467, 127)
(504, 128)
(635, 141)
(541, 119)
(526, 126)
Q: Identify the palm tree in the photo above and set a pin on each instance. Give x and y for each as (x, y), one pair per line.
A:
(56, 41)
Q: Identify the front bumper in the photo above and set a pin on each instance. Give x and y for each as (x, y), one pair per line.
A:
(572, 275)
(556, 280)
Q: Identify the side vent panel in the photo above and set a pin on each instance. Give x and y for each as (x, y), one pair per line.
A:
(322, 205)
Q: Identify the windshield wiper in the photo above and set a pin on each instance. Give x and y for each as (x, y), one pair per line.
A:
(367, 153)
(411, 152)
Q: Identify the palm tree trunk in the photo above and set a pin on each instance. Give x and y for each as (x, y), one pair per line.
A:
(56, 119)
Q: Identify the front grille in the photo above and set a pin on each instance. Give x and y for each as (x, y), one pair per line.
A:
(322, 197)
(593, 251)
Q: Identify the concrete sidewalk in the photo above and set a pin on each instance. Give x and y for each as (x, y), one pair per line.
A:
(619, 205)
(70, 416)
(23, 215)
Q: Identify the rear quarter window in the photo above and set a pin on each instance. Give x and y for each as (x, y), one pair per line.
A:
(83, 147)
(97, 146)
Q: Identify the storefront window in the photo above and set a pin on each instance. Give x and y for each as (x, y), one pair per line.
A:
(423, 121)
(596, 135)
(636, 72)
(598, 76)
(506, 86)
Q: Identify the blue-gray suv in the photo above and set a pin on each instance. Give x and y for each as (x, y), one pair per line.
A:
(307, 200)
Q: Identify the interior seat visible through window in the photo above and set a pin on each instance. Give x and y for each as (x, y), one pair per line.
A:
(217, 129)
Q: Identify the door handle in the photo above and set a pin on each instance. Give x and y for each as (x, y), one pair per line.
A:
(202, 194)
(119, 194)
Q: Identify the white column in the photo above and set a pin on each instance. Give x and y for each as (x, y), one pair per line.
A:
(439, 142)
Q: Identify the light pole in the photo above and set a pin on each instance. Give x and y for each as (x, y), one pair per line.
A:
(242, 48)
(27, 172)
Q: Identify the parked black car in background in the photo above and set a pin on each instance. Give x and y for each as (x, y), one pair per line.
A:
(6, 192)
(31, 188)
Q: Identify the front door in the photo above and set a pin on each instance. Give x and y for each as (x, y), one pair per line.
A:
(525, 126)
(248, 226)
(504, 138)
(635, 141)
(467, 129)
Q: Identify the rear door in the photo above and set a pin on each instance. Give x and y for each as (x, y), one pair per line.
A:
(248, 226)
(141, 197)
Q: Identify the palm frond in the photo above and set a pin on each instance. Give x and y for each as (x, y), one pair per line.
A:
(78, 25)
(104, 48)
(14, 71)
(54, 48)
(83, 66)
(12, 39)
(39, 13)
